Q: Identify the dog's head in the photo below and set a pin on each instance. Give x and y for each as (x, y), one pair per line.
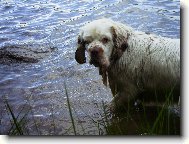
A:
(104, 40)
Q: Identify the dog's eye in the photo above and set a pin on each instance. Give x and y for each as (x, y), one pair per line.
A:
(105, 40)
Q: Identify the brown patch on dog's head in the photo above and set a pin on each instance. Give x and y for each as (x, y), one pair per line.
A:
(120, 44)
(80, 52)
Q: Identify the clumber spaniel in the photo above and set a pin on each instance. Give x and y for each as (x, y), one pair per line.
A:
(132, 62)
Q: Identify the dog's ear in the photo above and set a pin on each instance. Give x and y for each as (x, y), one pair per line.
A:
(80, 52)
(120, 43)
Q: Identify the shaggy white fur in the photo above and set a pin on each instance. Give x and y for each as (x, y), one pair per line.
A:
(132, 60)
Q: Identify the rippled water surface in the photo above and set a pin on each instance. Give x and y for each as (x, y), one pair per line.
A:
(40, 85)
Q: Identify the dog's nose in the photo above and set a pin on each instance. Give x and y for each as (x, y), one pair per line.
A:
(96, 51)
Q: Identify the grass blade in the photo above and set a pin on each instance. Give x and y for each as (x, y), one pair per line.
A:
(14, 118)
(70, 110)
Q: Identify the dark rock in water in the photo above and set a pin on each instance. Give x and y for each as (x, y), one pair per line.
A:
(24, 53)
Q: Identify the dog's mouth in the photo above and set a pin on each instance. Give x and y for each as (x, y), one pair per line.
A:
(99, 61)
(102, 64)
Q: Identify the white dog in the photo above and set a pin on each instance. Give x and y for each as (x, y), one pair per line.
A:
(133, 62)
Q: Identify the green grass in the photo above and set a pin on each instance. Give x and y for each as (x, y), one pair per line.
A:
(70, 110)
(151, 120)
(17, 122)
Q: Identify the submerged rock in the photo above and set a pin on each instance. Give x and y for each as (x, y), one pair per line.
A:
(30, 53)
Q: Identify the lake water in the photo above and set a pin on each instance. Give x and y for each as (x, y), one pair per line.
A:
(40, 86)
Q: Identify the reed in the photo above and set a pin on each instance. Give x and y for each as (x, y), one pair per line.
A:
(69, 108)
(17, 125)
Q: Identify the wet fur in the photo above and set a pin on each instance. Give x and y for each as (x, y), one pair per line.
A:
(138, 63)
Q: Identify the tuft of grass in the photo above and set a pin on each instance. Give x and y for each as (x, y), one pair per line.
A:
(18, 123)
(96, 123)
(149, 120)
(162, 121)
(158, 124)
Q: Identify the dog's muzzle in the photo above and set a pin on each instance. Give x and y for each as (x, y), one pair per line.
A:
(96, 54)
